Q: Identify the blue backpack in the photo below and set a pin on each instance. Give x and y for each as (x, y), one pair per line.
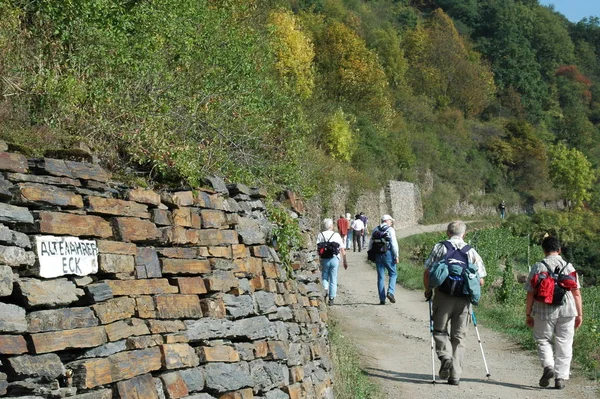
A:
(454, 275)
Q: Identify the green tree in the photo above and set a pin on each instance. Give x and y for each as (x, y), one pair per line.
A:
(502, 35)
(389, 47)
(444, 68)
(352, 73)
(574, 97)
(295, 52)
(466, 11)
(339, 136)
(524, 158)
(550, 40)
(571, 172)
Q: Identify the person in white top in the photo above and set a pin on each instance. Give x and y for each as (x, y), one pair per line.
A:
(554, 325)
(330, 265)
(358, 228)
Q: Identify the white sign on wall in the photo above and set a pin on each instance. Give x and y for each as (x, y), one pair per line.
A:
(59, 256)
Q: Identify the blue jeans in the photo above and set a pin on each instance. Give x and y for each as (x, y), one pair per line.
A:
(349, 239)
(329, 272)
(386, 262)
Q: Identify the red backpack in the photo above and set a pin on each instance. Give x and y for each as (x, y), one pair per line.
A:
(551, 286)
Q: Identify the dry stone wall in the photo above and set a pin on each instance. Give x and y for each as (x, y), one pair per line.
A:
(187, 299)
(400, 199)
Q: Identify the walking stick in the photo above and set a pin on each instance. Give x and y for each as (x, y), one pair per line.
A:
(432, 342)
(480, 345)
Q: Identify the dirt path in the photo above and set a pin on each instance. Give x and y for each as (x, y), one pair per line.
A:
(395, 346)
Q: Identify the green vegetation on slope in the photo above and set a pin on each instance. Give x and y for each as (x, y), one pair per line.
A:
(476, 100)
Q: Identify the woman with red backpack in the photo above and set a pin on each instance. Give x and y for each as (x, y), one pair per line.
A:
(551, 317)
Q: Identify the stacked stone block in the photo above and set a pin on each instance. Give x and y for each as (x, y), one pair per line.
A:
(189, 301)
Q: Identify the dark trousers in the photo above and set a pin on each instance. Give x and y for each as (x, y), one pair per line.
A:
(357, 240)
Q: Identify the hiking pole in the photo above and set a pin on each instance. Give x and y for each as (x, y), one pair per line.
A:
(480, 345)
(432, 342)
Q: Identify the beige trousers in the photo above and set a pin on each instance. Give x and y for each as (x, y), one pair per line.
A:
(453, 311)
(559, 357)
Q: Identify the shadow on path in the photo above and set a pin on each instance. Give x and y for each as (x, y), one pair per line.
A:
(357, 304)
(427, 379)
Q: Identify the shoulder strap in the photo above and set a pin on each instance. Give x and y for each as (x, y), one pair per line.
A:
(448, 245)
(384, 229)
(449, 249)
(465, 249)
(563, 268)
(323, 235)
(547, 267)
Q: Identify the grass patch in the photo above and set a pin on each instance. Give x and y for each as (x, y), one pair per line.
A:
(350, 381)
(411, 275)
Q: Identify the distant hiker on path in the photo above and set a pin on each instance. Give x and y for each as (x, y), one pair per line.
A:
(349, 236)
(343, 225)
(365, 221)
(330, 246)
(559, 321)
(449, 309)
(384, 245)
(358, 229)
(502, 209)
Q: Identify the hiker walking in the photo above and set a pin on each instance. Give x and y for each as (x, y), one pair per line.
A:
(448, 309)
(349, 236)
(365, 221)
(502, 209)
(386, 257)
(558, 321)
(330, 261)
(343, 225)
(358, 228)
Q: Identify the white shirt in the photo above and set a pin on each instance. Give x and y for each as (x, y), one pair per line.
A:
(357, 225)
(329, 235)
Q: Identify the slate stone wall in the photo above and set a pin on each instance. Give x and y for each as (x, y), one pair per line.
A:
(400, 199)
(189, 301)
(405, 204)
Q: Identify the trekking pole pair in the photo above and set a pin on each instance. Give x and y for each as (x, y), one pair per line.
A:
(487, 371)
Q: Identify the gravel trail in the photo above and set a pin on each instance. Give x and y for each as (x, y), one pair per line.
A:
(394, 344)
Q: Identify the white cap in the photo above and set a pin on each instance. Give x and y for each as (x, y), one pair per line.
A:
(387, 217)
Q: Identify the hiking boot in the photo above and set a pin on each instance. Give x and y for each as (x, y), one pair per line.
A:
(445, 368)
(330, 302)
(453, 381)
(382, 302)
(391, 298)
(559, 383)
(546, 376)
